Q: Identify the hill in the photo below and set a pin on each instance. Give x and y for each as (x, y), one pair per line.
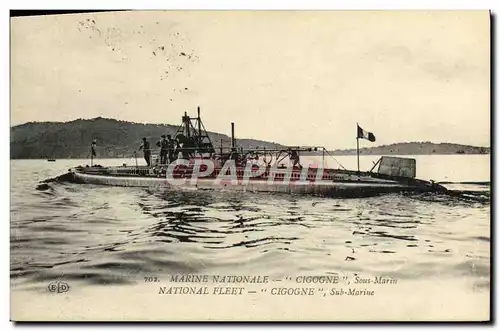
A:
(120, 138)
(114, 138)
(415, 148)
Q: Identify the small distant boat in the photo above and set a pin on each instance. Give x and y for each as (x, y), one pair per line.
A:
(51, 160)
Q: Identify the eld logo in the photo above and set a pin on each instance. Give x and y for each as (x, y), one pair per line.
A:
(58, 287)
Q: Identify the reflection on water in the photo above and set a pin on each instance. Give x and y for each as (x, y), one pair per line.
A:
(109, 235)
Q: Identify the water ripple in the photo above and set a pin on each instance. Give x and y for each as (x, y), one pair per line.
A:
(111, 235)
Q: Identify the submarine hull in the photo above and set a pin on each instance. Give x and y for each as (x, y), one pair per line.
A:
(349, 185)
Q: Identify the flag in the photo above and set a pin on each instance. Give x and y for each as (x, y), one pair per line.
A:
(365, 134)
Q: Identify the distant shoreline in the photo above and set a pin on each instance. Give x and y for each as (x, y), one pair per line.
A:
(118, 139)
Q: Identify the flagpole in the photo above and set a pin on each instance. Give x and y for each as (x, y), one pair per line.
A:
(357, 150)
(91, 156)
(357, 143)
(92, 151)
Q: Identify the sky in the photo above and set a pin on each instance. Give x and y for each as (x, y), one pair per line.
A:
(297, 78)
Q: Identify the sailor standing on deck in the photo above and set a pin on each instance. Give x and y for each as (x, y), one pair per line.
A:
(294, 157)
(184, 149)
(171, 148)
(177, 149)
(163, 144)
(147, 151)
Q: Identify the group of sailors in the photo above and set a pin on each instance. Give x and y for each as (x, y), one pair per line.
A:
(169, 149)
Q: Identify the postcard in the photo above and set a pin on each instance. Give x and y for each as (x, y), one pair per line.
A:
(250, 166)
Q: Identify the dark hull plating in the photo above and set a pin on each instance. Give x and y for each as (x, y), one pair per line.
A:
(333, 183)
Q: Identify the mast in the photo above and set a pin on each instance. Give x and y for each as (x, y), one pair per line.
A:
(233, 142)
(323, 158)
(199, 122)
(194, 131)
(92, 152)
(186, 121)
